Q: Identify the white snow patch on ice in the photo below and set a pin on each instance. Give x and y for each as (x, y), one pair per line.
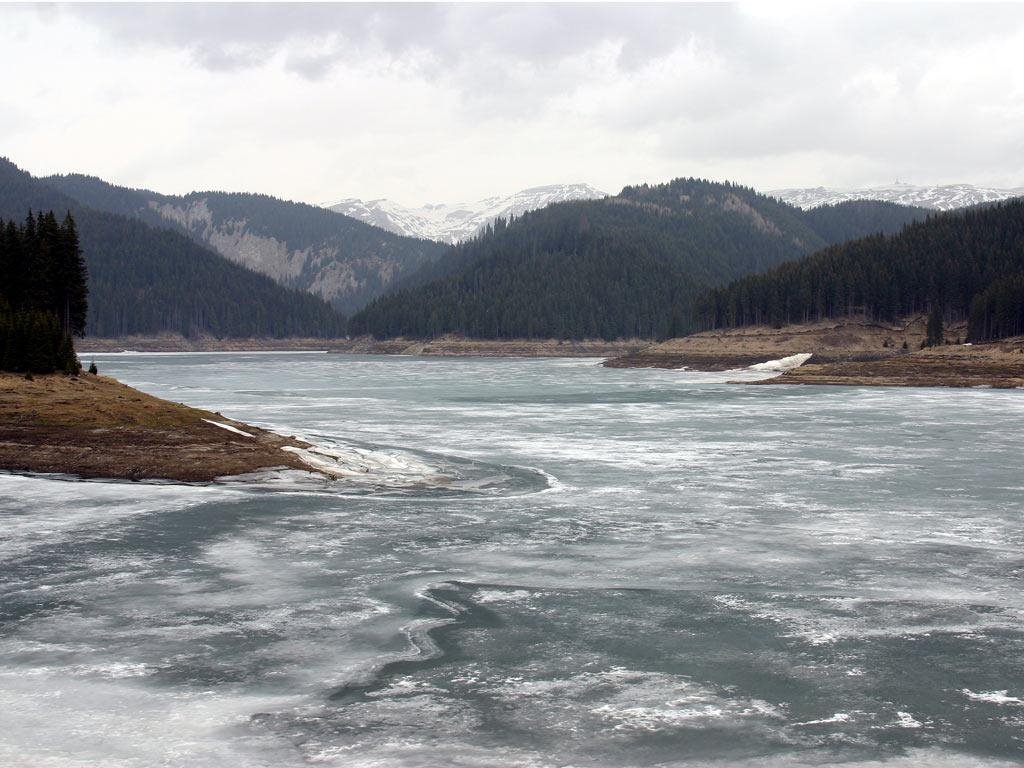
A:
(993, 697)
(377, 466)
(783, 363)
(838, 717)
(907, 720)
(228, 427)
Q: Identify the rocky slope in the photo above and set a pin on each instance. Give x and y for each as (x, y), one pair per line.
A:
(338, 258)
(146, 279)
(452, 223)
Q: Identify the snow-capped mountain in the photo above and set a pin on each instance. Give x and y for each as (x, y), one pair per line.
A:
(453, 223)
(942, 197)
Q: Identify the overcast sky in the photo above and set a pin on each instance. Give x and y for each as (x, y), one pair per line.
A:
(431, 103)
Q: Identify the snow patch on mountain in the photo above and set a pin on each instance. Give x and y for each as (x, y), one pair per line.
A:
(940, 197)
(454, 223)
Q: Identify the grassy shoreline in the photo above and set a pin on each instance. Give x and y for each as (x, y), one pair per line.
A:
(853, 352)
(997, 365)
(96, 427)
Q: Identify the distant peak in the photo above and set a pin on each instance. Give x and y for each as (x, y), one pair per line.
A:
(454, 222)
(937, 196)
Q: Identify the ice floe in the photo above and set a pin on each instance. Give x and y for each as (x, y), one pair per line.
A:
(360, 462)
(993, 697)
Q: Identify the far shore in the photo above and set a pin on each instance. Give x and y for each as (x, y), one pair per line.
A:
(997, 365)
(443, 346)
(851, 351)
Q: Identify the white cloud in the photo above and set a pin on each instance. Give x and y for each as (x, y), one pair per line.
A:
(429, 102)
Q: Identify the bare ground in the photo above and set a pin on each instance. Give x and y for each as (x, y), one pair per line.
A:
(94, 426)
(443, 346)
(851, 351)
(829, 341)
(999, 365)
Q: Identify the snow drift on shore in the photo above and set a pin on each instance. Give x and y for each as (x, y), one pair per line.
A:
(228, 427)
(357, 462)
(783, 363)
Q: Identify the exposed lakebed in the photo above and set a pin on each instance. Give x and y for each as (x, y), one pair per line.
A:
(629, 567)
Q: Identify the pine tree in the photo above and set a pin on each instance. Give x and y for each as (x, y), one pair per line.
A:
(73, 292)
(934, 332)
(43, 295)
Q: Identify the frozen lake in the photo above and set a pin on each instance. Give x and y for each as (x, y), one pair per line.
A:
(631, 568)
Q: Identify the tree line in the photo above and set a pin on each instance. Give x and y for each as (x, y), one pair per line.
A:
(958, 265)
(43, 294)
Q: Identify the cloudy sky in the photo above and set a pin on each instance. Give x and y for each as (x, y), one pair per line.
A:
(425, 103)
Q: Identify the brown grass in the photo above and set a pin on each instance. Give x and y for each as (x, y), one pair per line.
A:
(999, 365)
(94, 426)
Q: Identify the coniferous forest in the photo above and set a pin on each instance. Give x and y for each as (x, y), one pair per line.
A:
(148, 280)
(624, 266)
(961, 265)
(362, 258)
(43, 294)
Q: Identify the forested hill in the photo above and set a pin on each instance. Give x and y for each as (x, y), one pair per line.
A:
(963, 264)
(629, 265)
(341, 259)
(848, 220)
(145, 280)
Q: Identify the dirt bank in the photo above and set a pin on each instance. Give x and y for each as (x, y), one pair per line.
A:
(999, 365)
(829, 342)
(170, 342)
(458, 346)
(94, 426)
(444, 346)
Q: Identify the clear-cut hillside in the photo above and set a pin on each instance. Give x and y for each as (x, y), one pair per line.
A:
(338, 258)
(455, 223)
(943, 197)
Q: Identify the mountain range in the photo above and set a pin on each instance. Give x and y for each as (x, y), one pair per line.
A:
(338, 258)
(943, 197)
(630, 265)
(563, 261)
(453, 223)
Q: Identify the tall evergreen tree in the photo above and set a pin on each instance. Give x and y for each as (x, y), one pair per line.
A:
(934, 335)
(71, 284)
(43, 295)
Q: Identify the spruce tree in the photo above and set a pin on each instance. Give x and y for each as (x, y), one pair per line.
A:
(43, 295)
(934, 331)
(73, 304)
